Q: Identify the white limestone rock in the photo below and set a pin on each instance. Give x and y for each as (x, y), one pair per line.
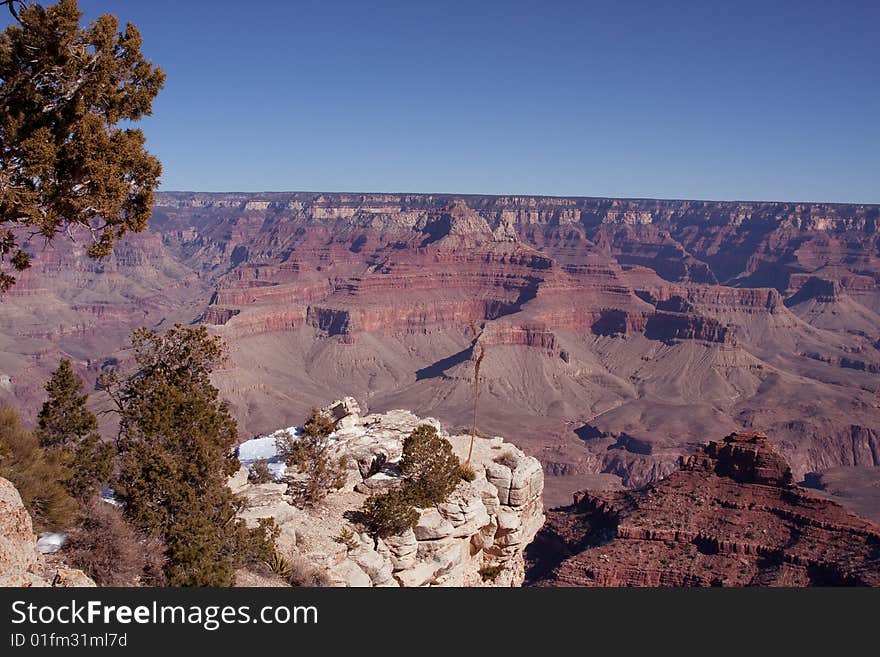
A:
(487, 521)
(431, 526)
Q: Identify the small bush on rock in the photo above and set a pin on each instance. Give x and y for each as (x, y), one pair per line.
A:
(490, 573)
(259, 473)
(508, 459)
(431, 472)
(296, 571)
(467, 472)
(347, 538)
(430, 468)
(312, 456)
(110, 551)
(389, 513)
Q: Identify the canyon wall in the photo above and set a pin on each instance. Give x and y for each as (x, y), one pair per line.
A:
(616, 332)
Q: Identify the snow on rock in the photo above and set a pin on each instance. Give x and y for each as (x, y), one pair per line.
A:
(257, 448)
(108, 495)
(51, 542)
(485, 525)
(264, 448)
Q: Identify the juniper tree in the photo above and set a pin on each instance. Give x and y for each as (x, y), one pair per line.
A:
(431, 472)
(177, 440)
(66, 427)
(64, 419)
(68, 156)
(430, 468)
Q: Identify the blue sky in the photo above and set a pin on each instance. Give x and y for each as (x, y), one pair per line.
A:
(712, 100)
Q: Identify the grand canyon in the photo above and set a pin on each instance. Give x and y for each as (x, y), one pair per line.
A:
(618, 335)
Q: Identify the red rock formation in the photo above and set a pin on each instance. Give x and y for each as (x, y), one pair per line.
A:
(730, 516)
(652, 321)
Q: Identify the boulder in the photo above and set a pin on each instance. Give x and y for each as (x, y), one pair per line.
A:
(500, 476)
(21, 563)
(527, 482)
(348, 573)
(378, 483)
(421, 574)
(18, 545)
(374, 565)
(343, 408)
(239, 480)
(431, 526)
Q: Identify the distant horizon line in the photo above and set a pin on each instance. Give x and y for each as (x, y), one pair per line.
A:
(549, 196)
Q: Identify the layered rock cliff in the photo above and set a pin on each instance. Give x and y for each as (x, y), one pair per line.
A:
(616, 332)
(730, 516)
(476, 537)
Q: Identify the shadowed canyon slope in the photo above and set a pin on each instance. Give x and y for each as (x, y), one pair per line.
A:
(617, 333)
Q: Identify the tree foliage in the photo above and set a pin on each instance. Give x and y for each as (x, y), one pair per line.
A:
(90, 465)
(65, 160)
(177, 443)
(64, 419)
(68, 429)
(311, 453)
(389, 513)
(431, 469)
(38, 474)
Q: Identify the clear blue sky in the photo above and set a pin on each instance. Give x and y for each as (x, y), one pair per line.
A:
(713, 100)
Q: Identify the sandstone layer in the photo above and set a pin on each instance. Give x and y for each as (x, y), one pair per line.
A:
(730, 516)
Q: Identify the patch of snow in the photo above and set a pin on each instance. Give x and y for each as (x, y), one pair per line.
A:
(384, 476)
(256, 449)
(277, 470)
(51, 542)
(108, 495)
(265, 448)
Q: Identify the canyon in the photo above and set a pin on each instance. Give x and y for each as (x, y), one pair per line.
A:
(615, 333)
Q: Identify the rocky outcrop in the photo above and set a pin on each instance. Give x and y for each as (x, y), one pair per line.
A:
(730, 516)
(21, 564)
(476, 537)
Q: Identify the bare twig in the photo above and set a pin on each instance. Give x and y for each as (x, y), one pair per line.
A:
(476, 397)
(11, 4)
